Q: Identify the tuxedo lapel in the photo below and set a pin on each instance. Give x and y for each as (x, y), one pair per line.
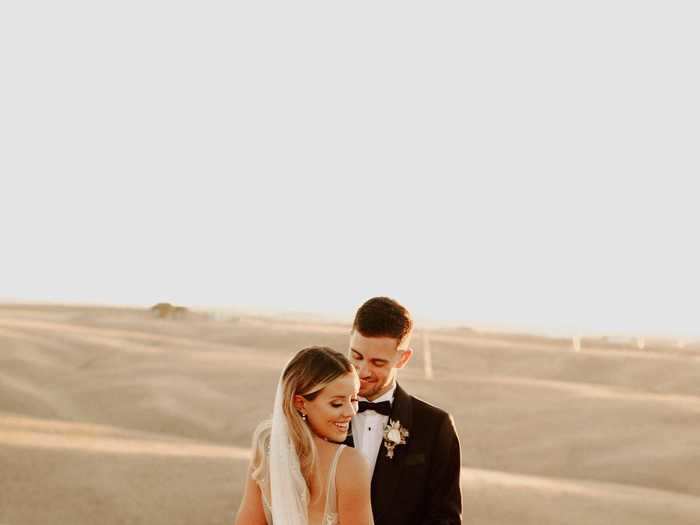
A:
(387, 471)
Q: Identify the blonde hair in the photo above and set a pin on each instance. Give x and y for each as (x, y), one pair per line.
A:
(309, 372)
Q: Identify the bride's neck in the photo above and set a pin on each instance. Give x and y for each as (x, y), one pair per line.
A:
(322, 441)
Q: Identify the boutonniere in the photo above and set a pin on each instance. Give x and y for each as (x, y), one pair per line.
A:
(394, 434)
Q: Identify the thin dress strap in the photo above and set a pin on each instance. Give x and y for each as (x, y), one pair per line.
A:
(331, 513)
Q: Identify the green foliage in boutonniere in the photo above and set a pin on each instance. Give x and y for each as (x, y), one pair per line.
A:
(394, 434)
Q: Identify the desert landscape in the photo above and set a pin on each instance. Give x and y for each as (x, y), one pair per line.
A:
(119, 416)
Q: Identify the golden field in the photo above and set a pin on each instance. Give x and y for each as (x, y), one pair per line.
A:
(114, 416)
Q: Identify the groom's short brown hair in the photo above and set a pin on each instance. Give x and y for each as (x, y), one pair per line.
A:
(383, 317)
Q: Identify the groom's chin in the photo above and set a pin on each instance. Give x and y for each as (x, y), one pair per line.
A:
(367, 392)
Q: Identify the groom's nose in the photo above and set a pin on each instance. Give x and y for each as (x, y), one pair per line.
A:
(364, 372)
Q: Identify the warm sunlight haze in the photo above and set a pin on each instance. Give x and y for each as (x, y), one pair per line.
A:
(530, 168)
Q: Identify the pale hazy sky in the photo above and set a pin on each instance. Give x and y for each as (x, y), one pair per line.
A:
(532, 164)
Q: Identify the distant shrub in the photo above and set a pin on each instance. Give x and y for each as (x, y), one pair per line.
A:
(165, 310)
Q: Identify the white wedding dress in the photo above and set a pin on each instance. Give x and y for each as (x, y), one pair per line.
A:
(330, 514)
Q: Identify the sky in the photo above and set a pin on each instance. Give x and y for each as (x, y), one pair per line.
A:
(522, 164)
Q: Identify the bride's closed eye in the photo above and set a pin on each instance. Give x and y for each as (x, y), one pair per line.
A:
(338, 405)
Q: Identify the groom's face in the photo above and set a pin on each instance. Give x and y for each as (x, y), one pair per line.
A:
(376, 360)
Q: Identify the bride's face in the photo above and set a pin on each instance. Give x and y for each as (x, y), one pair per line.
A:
(330, 412)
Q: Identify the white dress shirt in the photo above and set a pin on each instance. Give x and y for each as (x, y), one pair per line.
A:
(368, 429)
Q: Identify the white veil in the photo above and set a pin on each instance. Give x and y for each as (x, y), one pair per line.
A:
(289, 493)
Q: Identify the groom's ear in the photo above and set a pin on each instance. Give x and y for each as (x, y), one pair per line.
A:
(405, 357)
(299, 402)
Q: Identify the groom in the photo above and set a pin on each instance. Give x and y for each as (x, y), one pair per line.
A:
(415, 463)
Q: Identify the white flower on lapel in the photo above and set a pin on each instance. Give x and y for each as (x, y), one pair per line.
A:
(394, 434)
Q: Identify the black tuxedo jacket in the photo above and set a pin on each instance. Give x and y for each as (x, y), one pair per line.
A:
(420, 484)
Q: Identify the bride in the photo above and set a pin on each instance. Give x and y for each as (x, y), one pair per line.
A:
(301, 473)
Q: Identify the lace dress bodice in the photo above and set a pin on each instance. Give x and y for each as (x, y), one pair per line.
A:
(330, 514)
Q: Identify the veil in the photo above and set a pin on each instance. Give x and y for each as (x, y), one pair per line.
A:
(289, 493)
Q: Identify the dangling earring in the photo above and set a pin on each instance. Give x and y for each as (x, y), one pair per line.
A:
(303, 416)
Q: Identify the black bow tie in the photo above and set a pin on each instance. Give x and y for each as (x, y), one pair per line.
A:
(383, 407)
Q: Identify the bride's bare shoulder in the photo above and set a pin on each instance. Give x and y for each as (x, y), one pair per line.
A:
(352, 467)
(352, 481)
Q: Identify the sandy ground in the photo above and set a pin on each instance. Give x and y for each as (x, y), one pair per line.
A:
(111, 416)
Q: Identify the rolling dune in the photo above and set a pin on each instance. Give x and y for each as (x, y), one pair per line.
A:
(108, 415)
